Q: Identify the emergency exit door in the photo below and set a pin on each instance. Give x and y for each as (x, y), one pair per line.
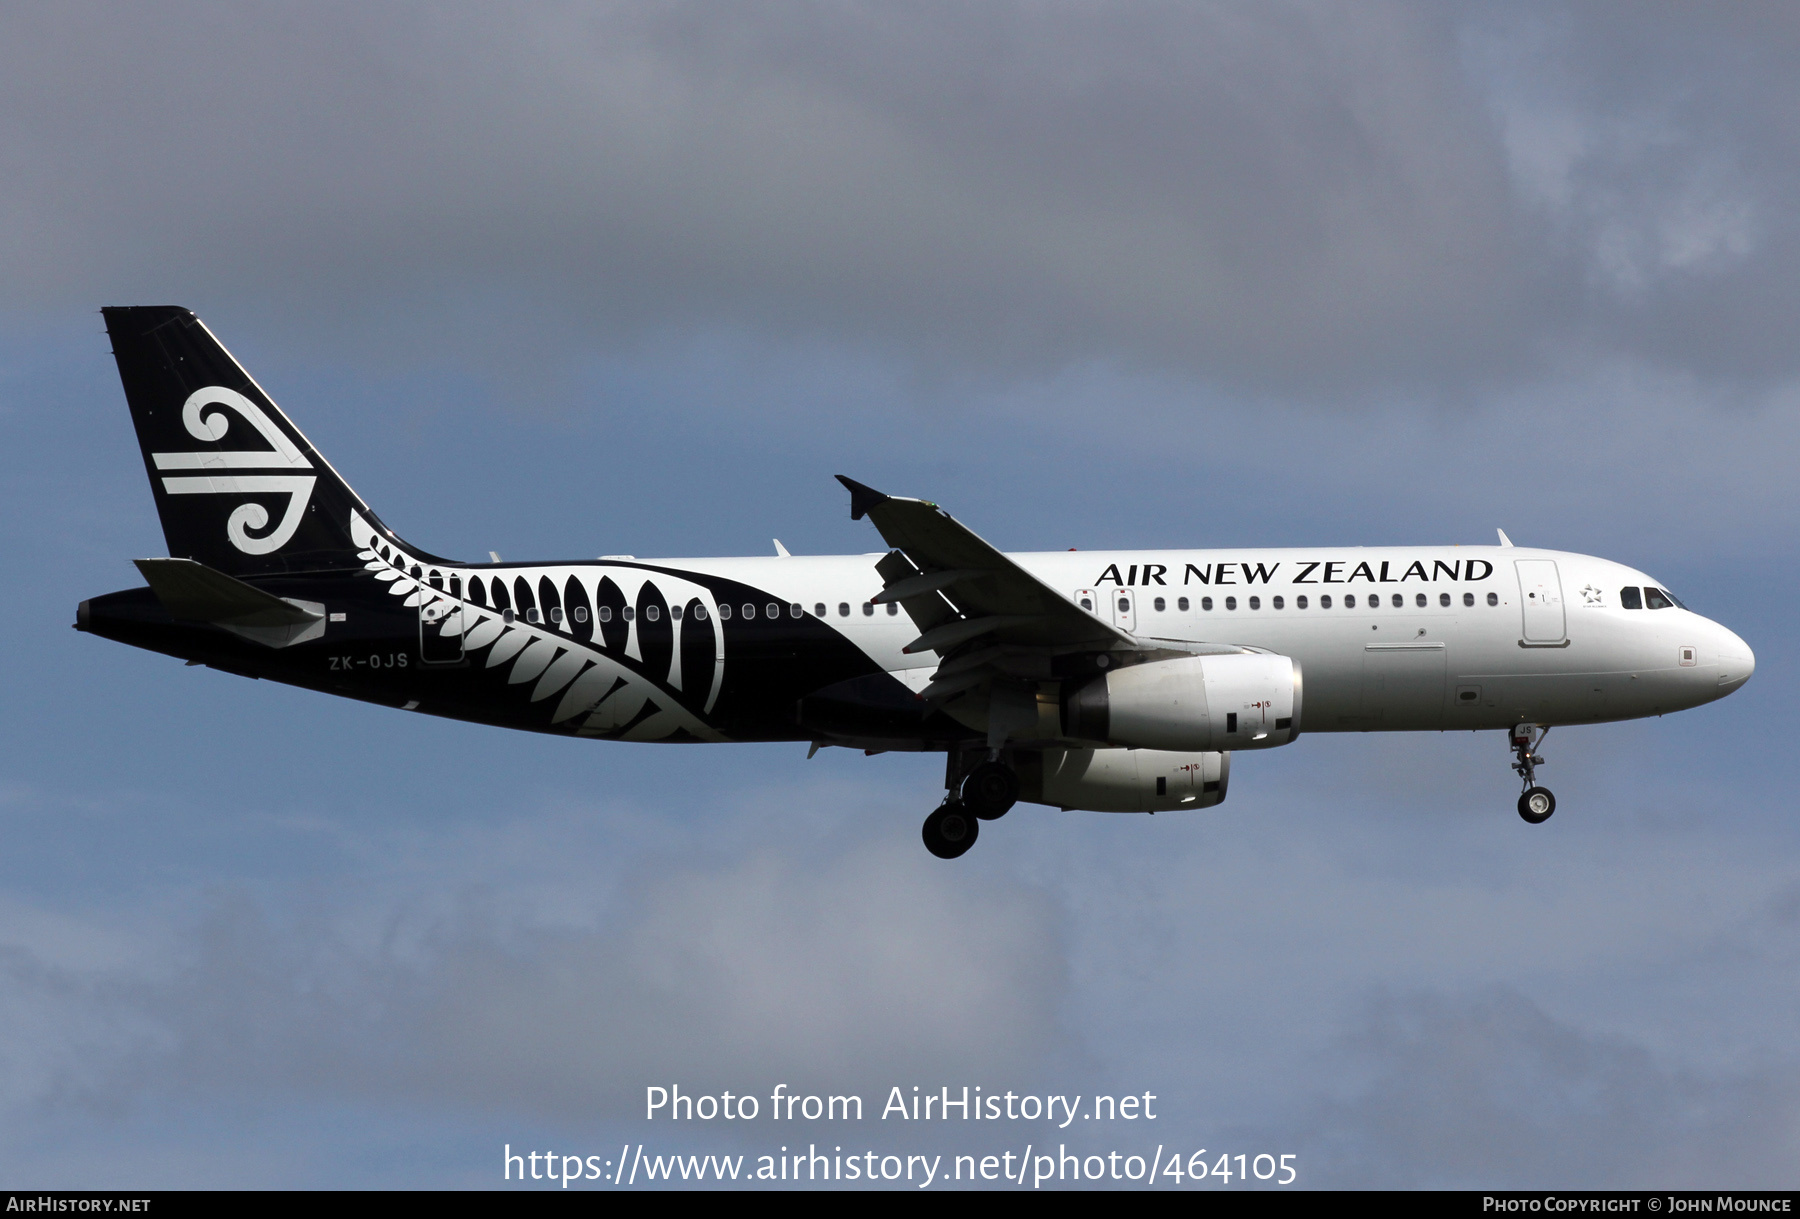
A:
(1123, 603)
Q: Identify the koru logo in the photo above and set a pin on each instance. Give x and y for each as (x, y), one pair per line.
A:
(216, 480)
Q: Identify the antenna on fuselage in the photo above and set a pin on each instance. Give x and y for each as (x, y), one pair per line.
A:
(1504, 540)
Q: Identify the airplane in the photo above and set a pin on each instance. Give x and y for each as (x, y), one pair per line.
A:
(1115, 681)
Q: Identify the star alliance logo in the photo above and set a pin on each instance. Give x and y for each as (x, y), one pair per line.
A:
(1592, 596)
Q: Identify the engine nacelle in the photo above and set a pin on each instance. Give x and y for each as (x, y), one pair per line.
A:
(1193, 703)
(1123, 780)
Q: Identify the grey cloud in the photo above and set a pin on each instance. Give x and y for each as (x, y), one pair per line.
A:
(843, 973)
(1293, 196)
(1655, 154)
(1489, 1090)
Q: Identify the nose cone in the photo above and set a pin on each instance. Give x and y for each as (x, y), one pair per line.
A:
(1736, 661)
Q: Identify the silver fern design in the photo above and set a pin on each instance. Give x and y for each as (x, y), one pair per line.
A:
(602, 647)
(1033, 685)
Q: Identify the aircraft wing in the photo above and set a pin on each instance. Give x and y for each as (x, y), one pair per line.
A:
(960, 590)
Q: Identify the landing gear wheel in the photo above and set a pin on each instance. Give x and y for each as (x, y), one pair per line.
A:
(1536, 805)
(990, 790)
(950, 831)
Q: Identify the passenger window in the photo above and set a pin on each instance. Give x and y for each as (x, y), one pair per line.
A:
(506, 616)
(795, 609)
(1444, 600)
(1160, 605)
(1087, 604)
(1654, 599)
(843, 609)
(771, 610)
(1300, 601)
(1493, 598)
(1325, 601)
(652, 613)
(724, 612)
(1350, 601)
(1419, 600)
(1468, 598)
(1630, 598)
(604, 613)
(675, 613)
(1256, 603)
(1206, 604)
(699, 613)
(819, 609)
(531, 615)
(868, 609)
(556, 614)
(1231, 603)
(628, 613)
(893, 608)
(1182, 604)
(1399, 601)
(1124, 605)
(749, 611)
(581, 613)
(1280, 604)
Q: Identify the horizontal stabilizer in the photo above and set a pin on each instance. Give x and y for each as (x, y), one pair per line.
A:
(196, 592)
(193, 592)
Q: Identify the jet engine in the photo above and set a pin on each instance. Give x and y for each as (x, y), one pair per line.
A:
(1247, 700)
(1123, 780)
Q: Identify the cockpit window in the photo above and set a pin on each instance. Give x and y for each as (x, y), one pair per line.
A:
(1630, 598)
(1679, 603)
(1655, 598)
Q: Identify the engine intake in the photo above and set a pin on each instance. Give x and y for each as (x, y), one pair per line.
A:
(1193, 703)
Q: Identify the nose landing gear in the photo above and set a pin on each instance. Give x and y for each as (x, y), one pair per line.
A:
(1536, 804)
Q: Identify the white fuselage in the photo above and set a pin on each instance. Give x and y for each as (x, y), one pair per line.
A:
(1480, 637)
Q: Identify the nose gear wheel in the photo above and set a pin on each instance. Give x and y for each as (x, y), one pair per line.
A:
(1536, 804)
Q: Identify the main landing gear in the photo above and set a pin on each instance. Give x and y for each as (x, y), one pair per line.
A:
(1536, 804)
(973, 794)
(950, 831)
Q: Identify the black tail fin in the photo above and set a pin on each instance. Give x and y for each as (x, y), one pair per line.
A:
(238, 487)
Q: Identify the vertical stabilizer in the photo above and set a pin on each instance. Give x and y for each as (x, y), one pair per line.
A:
(238, 487)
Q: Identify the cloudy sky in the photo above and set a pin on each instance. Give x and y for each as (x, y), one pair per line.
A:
(563, 280)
